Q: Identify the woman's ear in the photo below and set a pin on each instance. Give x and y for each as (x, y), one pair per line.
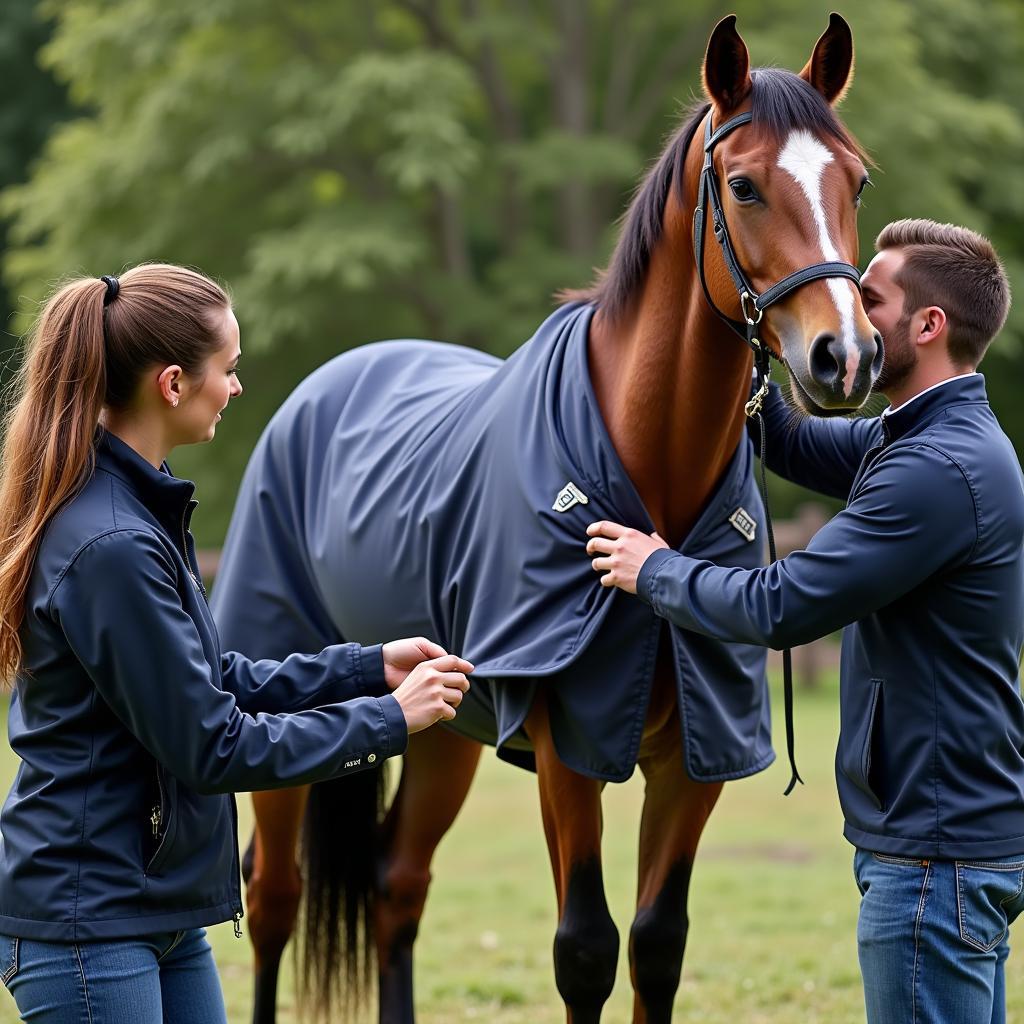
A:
(170, 384)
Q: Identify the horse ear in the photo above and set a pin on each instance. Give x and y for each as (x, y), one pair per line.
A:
(727, 66)
(830, 69)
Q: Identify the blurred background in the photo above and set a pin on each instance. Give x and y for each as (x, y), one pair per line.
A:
(365, 169)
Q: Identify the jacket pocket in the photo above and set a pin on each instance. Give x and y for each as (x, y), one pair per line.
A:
(163, 821)
(858, 747)
(8, 957)
(987, 897)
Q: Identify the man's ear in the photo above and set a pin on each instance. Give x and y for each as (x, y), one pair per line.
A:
(726, 70)
(830, 69)
(933, 324)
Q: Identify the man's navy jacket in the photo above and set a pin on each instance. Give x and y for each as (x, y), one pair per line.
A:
(133, 728)
(926, 565)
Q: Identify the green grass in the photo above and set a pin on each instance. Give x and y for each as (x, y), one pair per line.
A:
(772, 907)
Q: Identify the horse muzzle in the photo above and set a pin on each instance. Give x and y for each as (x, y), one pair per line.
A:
(838, 373)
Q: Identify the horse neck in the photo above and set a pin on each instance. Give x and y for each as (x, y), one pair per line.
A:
(671, 380)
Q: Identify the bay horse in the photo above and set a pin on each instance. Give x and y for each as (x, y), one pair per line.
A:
(671, 379)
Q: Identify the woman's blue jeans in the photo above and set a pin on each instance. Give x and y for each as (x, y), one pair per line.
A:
(169, 978)
(932, 937)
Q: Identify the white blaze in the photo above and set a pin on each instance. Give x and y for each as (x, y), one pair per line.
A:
(805, 159)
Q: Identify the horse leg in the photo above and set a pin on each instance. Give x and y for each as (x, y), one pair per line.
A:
(273, 888)
(675, 812)
(586, 948)
(437, 771)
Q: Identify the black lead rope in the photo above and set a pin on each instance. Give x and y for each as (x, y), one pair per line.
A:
(754, 408)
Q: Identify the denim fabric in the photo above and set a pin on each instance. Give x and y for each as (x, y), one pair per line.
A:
(933, 937)
(170, 978)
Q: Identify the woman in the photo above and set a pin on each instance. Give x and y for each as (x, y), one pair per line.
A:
(133, 728)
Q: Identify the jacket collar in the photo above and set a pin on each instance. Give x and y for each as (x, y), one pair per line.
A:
(913, 415)
(158, 489)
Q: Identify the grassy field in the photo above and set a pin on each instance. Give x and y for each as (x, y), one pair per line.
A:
(773, 905)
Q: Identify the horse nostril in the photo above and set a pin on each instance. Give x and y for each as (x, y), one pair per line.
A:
(876, 363)
(826, 359)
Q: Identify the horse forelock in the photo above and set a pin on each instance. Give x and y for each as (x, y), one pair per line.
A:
(782, 102)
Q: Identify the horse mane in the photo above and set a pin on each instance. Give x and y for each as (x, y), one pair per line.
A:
(781, 102)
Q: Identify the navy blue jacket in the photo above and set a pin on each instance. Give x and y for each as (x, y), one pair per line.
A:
(927, 565)
(134, 729)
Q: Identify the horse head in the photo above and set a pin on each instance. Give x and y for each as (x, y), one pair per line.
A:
(788, 182)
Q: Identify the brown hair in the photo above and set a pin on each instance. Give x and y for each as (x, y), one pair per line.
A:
(957, 269)
(86, 353)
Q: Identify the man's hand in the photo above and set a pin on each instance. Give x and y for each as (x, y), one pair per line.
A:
(402, 656)
(622, 553)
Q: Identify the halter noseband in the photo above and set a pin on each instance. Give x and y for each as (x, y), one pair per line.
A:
(752, 304)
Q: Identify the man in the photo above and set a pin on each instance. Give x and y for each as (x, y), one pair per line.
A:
(926, 565)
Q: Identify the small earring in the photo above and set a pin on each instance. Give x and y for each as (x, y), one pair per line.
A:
(175, 403)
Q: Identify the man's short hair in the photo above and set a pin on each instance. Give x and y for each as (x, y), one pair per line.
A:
(957, 269)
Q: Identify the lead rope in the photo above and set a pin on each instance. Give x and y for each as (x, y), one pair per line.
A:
(753, 408)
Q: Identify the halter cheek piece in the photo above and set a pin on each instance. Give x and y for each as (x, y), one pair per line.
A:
(753, 306)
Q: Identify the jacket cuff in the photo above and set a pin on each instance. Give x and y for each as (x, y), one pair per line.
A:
(370, 665)
(649, 571)
(397, 732)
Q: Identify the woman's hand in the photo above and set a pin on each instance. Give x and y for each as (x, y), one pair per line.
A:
(402, 656)
(432, 691)
(622, 553)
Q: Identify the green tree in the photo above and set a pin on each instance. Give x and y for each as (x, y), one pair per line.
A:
(28, 112)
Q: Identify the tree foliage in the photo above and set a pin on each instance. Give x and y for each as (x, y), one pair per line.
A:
(439, 168)
(30, 110)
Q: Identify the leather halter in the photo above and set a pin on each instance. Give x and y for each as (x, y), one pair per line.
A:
(752, 304)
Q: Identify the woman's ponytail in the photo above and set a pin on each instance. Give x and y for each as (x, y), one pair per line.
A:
(48, 440)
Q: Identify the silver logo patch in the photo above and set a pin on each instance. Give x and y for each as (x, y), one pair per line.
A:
(744, 522)
(568, 496)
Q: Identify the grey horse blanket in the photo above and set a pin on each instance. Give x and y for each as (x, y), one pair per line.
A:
(414, 487)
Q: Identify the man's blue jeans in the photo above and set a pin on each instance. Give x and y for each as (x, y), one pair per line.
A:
(158, 979)
(932, 937)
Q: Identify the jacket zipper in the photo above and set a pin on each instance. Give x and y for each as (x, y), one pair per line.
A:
(237, 918)
(156, 818)
(184, 548)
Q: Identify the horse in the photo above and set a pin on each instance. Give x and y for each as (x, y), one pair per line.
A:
(658, 353)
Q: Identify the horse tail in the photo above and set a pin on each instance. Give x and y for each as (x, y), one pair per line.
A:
(341, 850)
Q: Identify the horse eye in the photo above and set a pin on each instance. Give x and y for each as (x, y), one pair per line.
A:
(860, 192)
(743, 190)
